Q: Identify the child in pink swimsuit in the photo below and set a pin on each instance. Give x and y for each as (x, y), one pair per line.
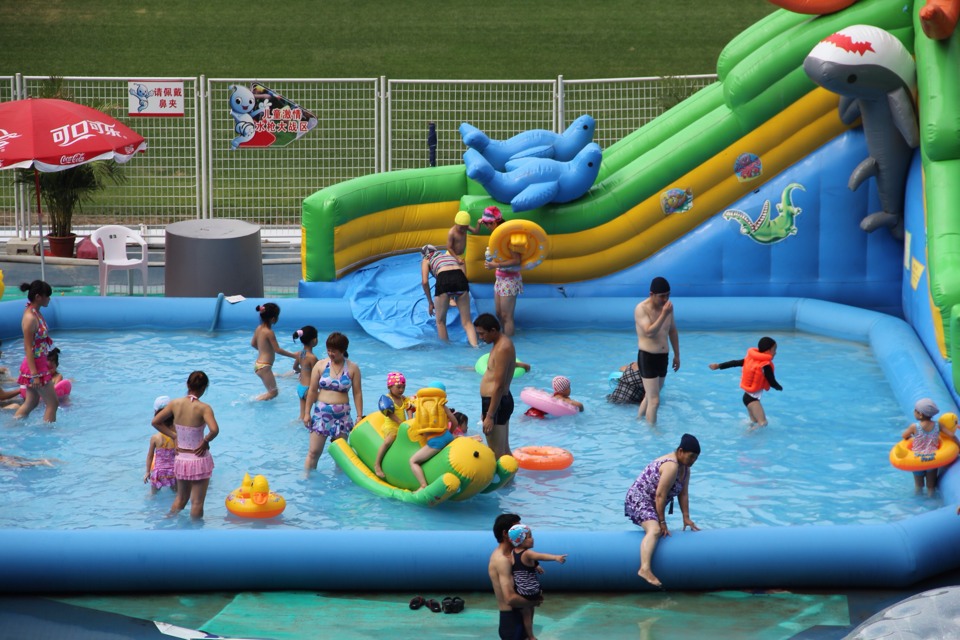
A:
(161, 455)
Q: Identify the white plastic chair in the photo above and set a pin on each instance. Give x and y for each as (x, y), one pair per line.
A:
(111, 242)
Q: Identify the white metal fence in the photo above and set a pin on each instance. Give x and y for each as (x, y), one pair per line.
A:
(365, 125)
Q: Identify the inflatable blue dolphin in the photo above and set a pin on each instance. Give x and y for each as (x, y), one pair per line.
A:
(529, 183)
(535, 143)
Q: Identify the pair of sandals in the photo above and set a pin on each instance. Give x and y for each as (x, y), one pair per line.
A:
(447, 605)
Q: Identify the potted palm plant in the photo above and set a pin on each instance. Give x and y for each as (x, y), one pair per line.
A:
(65, 192)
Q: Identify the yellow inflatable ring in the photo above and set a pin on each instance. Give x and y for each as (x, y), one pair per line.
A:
(519, 236)
(902, 455)
(253, 499)
(543, 458)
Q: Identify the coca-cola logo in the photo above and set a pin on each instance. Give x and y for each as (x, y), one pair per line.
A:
(6, 137)
(77, 158)
(72, 133)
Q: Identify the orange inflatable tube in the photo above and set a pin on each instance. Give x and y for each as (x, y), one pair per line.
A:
(813, 7)
(543, 458)
(938, 18)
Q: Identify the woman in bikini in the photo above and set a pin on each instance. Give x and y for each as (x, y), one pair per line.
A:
(36, 378)
(193, 465)
(331, 379)
(451, 285)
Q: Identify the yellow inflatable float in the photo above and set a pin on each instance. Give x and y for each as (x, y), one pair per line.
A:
(459, 471)
(519, 236)
(902, 455)
(253, 499)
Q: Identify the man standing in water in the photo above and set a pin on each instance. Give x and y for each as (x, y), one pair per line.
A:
(495, 399)
(500, 570)
(655, 325)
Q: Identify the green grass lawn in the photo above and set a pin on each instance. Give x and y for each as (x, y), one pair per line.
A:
(410, 39)
(364, 38)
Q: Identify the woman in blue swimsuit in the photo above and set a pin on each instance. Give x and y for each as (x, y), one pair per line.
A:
(328, 415)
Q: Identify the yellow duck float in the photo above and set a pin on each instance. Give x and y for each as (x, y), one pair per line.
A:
(253, 499)
(461, 470)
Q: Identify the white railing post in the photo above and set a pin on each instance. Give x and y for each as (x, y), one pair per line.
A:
(201, 136)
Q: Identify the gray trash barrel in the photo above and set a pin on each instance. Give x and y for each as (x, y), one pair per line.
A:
(207, 257)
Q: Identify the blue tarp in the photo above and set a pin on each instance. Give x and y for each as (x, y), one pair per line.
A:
(387, 300)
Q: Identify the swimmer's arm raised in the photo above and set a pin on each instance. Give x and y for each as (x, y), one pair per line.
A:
(726, 365)
(644, 325)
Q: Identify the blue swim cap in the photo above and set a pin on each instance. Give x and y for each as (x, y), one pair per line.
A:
(436, 384)
(518, 533)
(386, 405)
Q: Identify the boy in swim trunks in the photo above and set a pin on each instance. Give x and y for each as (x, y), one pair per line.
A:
(655, 326)
(457, 237)
(756, 378)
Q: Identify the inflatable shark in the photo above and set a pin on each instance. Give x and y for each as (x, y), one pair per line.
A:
(535, 143)
(529, 183)
(876, 78)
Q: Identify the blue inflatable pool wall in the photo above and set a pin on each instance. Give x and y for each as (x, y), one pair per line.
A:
(892, 555)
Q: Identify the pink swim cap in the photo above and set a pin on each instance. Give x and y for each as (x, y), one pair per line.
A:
(561, 385)
(395, 377)
(491, 214)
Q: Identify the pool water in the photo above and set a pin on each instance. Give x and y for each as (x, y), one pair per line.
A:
(822, 460)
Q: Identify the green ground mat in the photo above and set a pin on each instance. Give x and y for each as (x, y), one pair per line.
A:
(302, 615)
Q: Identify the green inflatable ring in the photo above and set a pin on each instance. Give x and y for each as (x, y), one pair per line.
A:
(481, 366)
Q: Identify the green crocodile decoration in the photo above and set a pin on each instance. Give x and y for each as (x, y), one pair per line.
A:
(764, 229)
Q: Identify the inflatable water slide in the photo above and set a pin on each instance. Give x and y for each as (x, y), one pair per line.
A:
(740, 190)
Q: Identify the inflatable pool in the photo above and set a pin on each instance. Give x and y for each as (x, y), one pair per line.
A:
(752, 557)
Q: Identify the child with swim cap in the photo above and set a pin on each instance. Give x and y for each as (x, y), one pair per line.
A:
(396, 385)
(457, 237)
(526, 563)
(925, 434)
(161, 454)
(389, 429)
(561, 391)
(756, 378)
(438, 440)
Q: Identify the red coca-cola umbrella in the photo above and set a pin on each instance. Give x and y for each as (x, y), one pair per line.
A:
(49, 134)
